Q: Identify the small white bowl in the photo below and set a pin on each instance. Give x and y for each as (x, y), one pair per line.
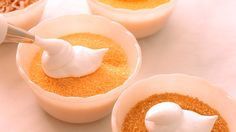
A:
(78, 109)
(141, 23)
(174, 83)
(27, 17)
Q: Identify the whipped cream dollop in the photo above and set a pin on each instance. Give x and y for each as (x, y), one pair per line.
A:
(170, 117)
(60, 59)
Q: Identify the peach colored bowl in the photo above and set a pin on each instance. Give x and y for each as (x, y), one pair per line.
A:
(141, 23)
(78, 109)
(178, 83)
(27, 17)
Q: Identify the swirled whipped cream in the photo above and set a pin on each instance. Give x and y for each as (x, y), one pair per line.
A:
(170, 117)
(60, 59)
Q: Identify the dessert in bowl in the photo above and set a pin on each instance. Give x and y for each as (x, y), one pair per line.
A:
(141, 17)
(91, 97)
(156, 102)
(22, 13)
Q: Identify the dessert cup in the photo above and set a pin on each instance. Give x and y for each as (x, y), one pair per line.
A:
(27, 17)
(174, 83)
(141, 23)
(78, 109)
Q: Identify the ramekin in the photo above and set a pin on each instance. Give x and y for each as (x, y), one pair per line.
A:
(78, 109)
(174, 83)
(27, 17)
(141, 23)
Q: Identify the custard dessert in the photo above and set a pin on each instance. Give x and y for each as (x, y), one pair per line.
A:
(12, 5)
(135, 119)
(112, 73)
(134, 4)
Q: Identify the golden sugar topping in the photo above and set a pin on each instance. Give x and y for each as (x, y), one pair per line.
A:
(113, 72)
(134, 4)
(12, 5)
(134, 120)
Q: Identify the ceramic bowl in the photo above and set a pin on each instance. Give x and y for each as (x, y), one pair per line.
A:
(174, 83)
(78, 109)
(27, 17)
(141, 23)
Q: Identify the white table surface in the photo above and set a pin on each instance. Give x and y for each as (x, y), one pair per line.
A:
(199, 39)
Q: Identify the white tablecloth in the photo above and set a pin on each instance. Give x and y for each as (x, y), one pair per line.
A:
(199, 39)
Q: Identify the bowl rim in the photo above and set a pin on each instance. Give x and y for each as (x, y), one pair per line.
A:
(77, 98)
(26, 9)
(171, 3)
(200, 80)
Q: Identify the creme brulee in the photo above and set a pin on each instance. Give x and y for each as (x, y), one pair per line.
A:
(134, 4)
(112, 73)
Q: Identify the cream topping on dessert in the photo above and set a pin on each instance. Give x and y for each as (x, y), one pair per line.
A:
(60, 59)
(170, 117)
